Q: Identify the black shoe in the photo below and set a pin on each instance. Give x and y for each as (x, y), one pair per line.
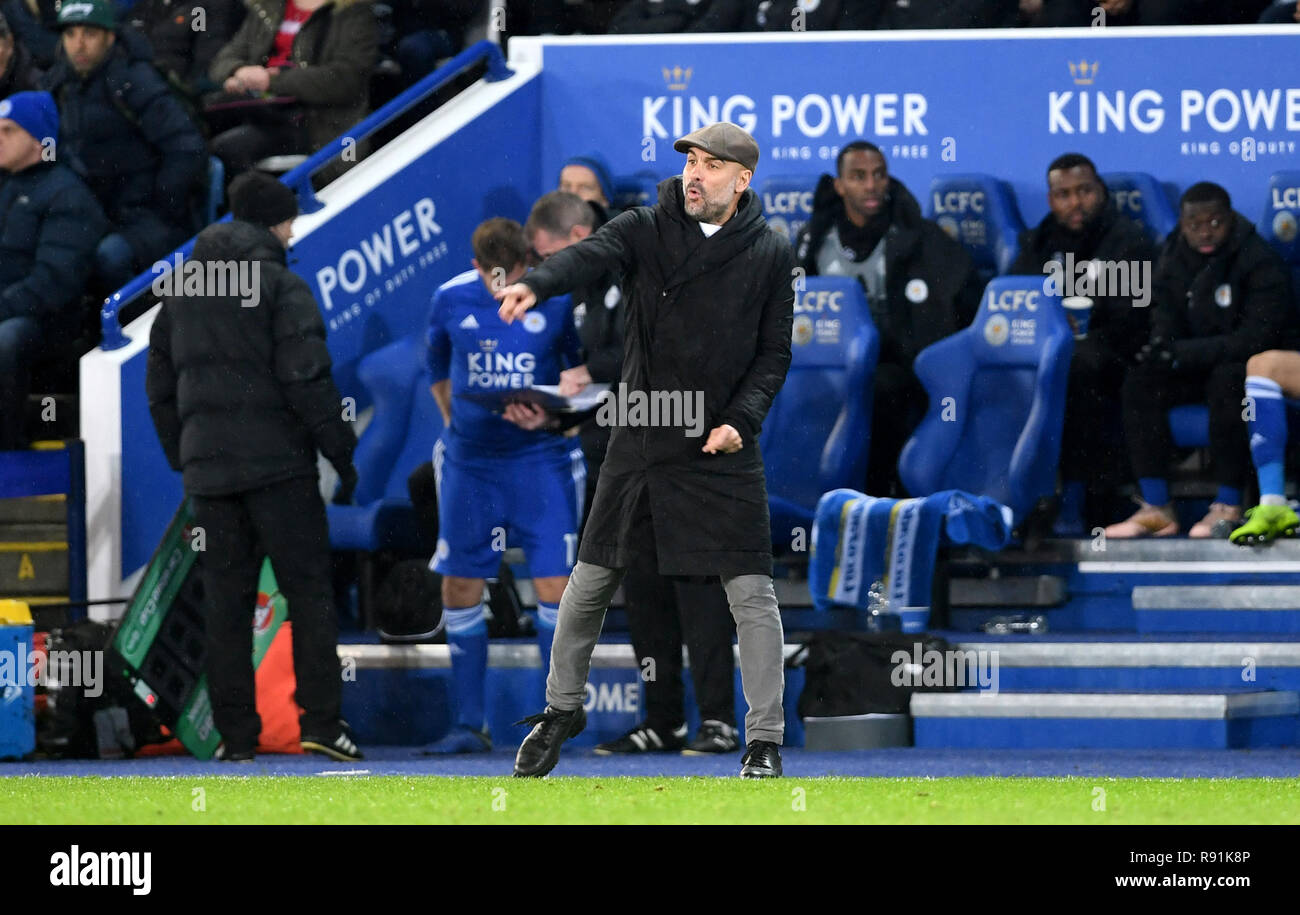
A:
(337, 746)
(540, 750)
(237, 755)
(761, 760)
(713, 737)
(645, 739)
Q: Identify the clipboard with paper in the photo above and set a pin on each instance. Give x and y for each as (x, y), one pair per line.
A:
(546, 396)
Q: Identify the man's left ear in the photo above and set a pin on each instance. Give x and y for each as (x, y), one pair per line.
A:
(743, 182)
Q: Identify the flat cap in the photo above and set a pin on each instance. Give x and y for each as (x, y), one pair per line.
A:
(724, 140)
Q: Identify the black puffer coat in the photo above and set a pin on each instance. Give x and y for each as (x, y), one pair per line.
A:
(242, 397)
(703, 314)
(1225, 308)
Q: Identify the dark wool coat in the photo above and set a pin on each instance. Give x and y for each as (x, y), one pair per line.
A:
(333, 56)
(711, 315)
(242, 397)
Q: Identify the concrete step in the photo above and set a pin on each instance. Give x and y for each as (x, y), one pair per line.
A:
(1033, 665)
(1209, 720)
(1217, 608)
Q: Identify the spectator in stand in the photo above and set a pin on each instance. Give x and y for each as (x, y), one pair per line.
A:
(660, 610)
(1081, 226)
(35, 24)
(1053, 13)
(587, 176)
(949, 14)
(182, 50)
(1287, 13)
(920, 285)
(639, 17)
(49, 226)
(564, 17)
(242, 396)
(429, 30)
(799, 15)
(318, 52)
(142, 154)
(17, 70)
(1221, 296)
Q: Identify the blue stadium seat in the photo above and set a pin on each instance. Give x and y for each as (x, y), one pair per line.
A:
(399, 437)
(1278, 223)
(1143, 199)
(997, 400)
(216, 190)
(980, 212)
(639, 190)
(788, 203)
(817, 434)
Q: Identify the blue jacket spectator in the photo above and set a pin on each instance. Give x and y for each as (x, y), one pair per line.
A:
(49, 226)
(142, 155)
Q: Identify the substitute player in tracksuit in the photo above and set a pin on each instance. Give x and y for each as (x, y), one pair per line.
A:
(498, 484)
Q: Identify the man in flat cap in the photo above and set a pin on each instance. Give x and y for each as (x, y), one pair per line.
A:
(709, 304)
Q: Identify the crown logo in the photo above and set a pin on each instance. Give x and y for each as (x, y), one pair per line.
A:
(489, 345)
(1083, 73)
(676, 78)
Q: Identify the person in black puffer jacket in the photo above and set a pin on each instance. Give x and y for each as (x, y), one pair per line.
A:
(1221, 296)
(639, 17)
(241, 395)
(921, 286)
(142, 154)
(49, 226)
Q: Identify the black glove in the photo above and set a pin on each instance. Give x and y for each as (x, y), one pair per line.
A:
(1158, 353)
(347, 485)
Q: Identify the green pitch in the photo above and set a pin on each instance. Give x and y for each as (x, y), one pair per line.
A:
(432, 799)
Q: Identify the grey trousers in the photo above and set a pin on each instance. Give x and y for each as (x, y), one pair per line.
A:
(758, 629)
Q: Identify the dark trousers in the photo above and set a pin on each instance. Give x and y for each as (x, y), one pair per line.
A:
(1149, 393)
(240, 148)
(22, 343)
(1092, 414)
(898, 405)
(285, 521)
(662, 613)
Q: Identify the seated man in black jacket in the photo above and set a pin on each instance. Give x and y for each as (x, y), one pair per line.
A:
(49, 226)
(920, 285)
(1221, 296)
(1083, 227)
(241, 395)
(141, 152)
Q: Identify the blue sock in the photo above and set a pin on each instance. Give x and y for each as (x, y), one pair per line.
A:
(468, 642)
(1155, 490)
(1072, 495)
(547, 614)
(1228, 495)
(1268, 435)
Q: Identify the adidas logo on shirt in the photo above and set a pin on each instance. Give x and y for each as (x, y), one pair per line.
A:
(469, 323)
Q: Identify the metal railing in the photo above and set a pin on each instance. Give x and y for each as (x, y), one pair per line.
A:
(299, 178)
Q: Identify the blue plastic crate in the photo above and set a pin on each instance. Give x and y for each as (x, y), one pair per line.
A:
(17, 693)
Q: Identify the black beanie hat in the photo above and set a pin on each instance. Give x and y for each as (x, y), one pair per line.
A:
(258, 198)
